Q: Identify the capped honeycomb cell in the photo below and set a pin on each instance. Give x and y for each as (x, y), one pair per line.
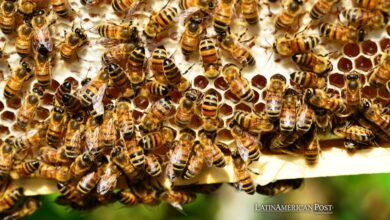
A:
(259, 107)
(344, 64)
(383, 43)
(363, 63)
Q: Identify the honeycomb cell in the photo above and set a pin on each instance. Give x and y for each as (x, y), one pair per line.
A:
(259, 81)
(54, 85)
(8, 116)
(259, 107)
(195, 122)
(4, 131)
(337, 79)
(230, 96)
(344, 64)
(221, 84)
(73, 81)
(141, 102)
(113, 92)
(201, 82)
(382, 92)
(369, 92)
(225, 109)
(224, 135)
(243, 107)
(369, 47)
(383, 43)
(256, 97)
(47, 98)
(175, 95)
(388, 30)
(1, 106)
(351, 49)
(14, 103)
(362, 79)
(264, 94)
(333, 92)
(42, 113)
(363, 63)
(137, 115)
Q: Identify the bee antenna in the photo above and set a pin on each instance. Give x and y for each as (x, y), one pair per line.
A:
(189, 68)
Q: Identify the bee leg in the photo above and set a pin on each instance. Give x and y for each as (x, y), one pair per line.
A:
(350, 146)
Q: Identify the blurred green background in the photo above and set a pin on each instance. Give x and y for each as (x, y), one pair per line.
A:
(353, 197)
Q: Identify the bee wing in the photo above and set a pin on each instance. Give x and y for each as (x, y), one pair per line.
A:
(208, 156)
(108, 181)
(43, 38)
(170, 172)
(97, 100)
(242, 150)
(92, 138)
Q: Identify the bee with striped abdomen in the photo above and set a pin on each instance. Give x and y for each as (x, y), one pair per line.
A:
(64, 88)
(42, 41)
(157, 63)
(247, 145)
(154, 88)
(381, 74)
(320, 99)
(6, 162)
(121, 158)
(381, 5)
(118, 76)
(238, 84)
(31, 139)
(305, 118)
(313, 63)
(160, 22)
(341, 33)
(26, 112)
(252, 122)
(173, 75)
(19, 76)
(10, 198)
(195, 163)
(363, 18)
(244, 178)
(26, 168)
(210, 57)
(59, 173)
(43, 70)
(158, 112)
(308, 80)
(125, 32)
(135, 67)
(53, 156)
(352, 89)
(135, 153)
(8, 10)
(289, 110)
(89, 181)
(152, 165)
(190, 39)
(57, 120)
(69, 192)
(290, 14)
(213, 155)
(73, 136)
(109, 179)
(118, 53)
(28, 207)
(81, 165)
(182, 150)
(157, 139)
(250, 11)
(354, 135)
(237, 50)
(205, 6)
(223, 15)
(125, 119)
(312, 150)
(373, 113)
(107, 131)
(127, 198)
(287, 46)
(61, 7)
(322, 8)
(23, 40)
(177, 198)
(274, 97)
(72, 44)
(185, 110)
(94, 89)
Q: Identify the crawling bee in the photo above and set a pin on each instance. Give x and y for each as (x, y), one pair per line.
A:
(185, 111)
(237, 50)
(73, 136)
(287, 46)
(53, 156)
(252, 122)
(26, 112)
(23, 40)
(125, 119)
(10, 198)
(107, 131)
(191, 36)
(195, 163)
(6, 162)
(43, 70)
(322, 8)
(153, 166)
(72, 44)
(121, 158)
(374, 114)
(160, 22)
(26, 168)
(61, 7)
(305, 117)
(353, 89)
(19, 76)
(159, 111)
(27, 7)
(59, 173)
(123, 6)
(56, 126)
(237, 83)
(174, 76)
(154, 88)
(89, 181)
(381, 5)
(308, 80)
(118, 53)
(8, 10)
(313, 63)
(42, 41)
(210, 57)
(127, 198)
(355, 135)
(274, 97)
(182, 151)
(247, 145)
(213, 155)
(64, 88)
(81, 165)
(363, 18)
(206, 6)
(157, 63)
(28, 207)
(288, 115)
(320, 99)
(244, 178)
(178, 198)
(279, 186)
(250, 11)
(381, 74)
(223, 15)
(93, 92)
(108, 179)
(125, 32)
(289, 15)
(341, 33)
(135, 67)
(31, 139)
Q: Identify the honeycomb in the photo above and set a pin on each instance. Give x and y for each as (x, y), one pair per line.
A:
(361, 57)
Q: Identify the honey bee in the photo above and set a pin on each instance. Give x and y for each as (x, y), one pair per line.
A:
(322, 8)
(53, 156)
(178, 198)
(10, 198)
(72, 44)
(206, 6)
(7, 16)
(108, 179)
(27, 7)
(107, 132)
(42, 41)
(6, 162)
(160, 22)
(61, 7)
(92, 130)
(320, 99)
(121, 158)
(322, 118)
(379, 133)
(89, 181)
(213, 156)
(73, 136)
(28, 208)
(159, 111)
(146, 196)
(157, 63)
(172, 73)
(308, 80)
(153, 166)
(289, 15)
(252, 122)
(26, 112)
(68, 191)
(56, 126)
(244, 179)
(182, 150)
(223, 15)
(64, 88)
(135, 67)
(23, 40)
(118, 53)
(185, 110)
(312, 150)
(237, 50)
(117, 75)
(210, 58)
(382, 5)
(279, 186)
(288, 115)
(43, 70)
(352, 89)
(381, 74)
(287, 46)
(27, 168)
(305, 118)
(157, 139)
(19, 76)
(127, 198)
(31, 139)
(250, 11)
(359, 17)
(81, 165)
(209, 106)
(280, 143)
(191, 36)
(238, 84)
(91, 2)
(59, 173)
(372, 113)
(154, 88)
(123, 32)
(355, 134)
(341, 33)
(125, 119)
(274, 97)
(313, 63)
(247, 145)
(135, 153)
(95, 89)
(195, 163)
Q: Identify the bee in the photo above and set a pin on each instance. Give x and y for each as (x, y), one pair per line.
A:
(59, 173)
(312, 150)
(185, 110)
(182, 150)
(71, 103)
(213, 156)
(81, 165)
(160, 21)
(157, 63)
(91, 2)
(117, 75)
(244, 178)
(372, 113)
(56, 126)
(250, 11)
(322, 118)
(135, 153)
(359, 17)
(379, 133)
(64, 88)
(118, 53)
(72, 43)
(42, 41)
(355, 134)
(209, 106)
(6, 162)
(382, 5)
(89, 181)
(191, 36)
(320, 99)
(247, 145)
(352, 89)
(287, 46)
(121, 158)
(312, 62)
(195, 163)
(153, 166)
(274, 97)
(154, 88)
(288, 115)
(28, 207)
(157, 139)
(10, 198)
(120, 6)
(23, 40)
(125, 119)
(305, 118)
(178, 198)
(61, 7)
(123, 32)
(279, 186)
(27, 168)
(237, 50)
(19, 76)
(43, 70)
(159, 111)
(223, 15)
(171, 72)
(108, 180)
(281, 141)
(92, 130)
(145, 195)
(206, 6)
(127, 198)
(322, 8)
(210, 58)
(238, 84)
(69, 192)
(341, 33)
(289, 15)
(26, 112)
(135, 67)
(31, 139)
(27, 7)
(107, 132)
(381, 74)
(73, 137)
(95, 89)
(308, 80)
(53, 156)
(7, 16)
(252, 122)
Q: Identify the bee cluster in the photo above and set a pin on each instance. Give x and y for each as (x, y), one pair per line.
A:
(142, 119)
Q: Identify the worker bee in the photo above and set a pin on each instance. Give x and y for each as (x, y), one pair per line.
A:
(280, 143)
(213, 155)
(31, 139)
(308, 80)
(127, 198)
(71, 103)
(7, 16)
(26, 112)
(287, 46)
(19, 76)
(210, 58)
(135, 153)
(363, 18)
(117, 75)
(372, 113)
(320, 99)
(172, 73)
(93, 92)
(27, 7)
(50, 155)
(108, 179)
(209, 106)
(322, 118)
(72, 43)
(279, 186)
(247, 145)
(81, 165)
(26, 168)
(6, 162)
(312, 150)
(195, 163)
(160, 22)
(313, 63)
(206, 6)
(355, 134)
(43, 70)
(341, 33)
(182, 150)
(178, 198)
(244, 178)
(73, 136)
(118, 53)
(61, 7)
(64, 88)
(274, 97)
(135, 67)
(91, 2)
(147, 196)
(124, 32)
(237, 50)
(10, 198)
(185, 110)
(157, 63)
(352, 89)
(322, 8)
(159, 111)
(252, 122)
(89, 181)
(380, 75)
(69, 192)
(121, 158)
(153, 166)
(191, 36)
(56, 126)
(59, 173)
(157, 139)
(238, 84)
(305, 118)
(92, 130)
(382, 5)
(28, 207)
(42, 41)
(223, 15)
(288, 115)
(154, 88)
(125, 119)
(107, 131)
(23, 40)
(289, 15)
(250, 11)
